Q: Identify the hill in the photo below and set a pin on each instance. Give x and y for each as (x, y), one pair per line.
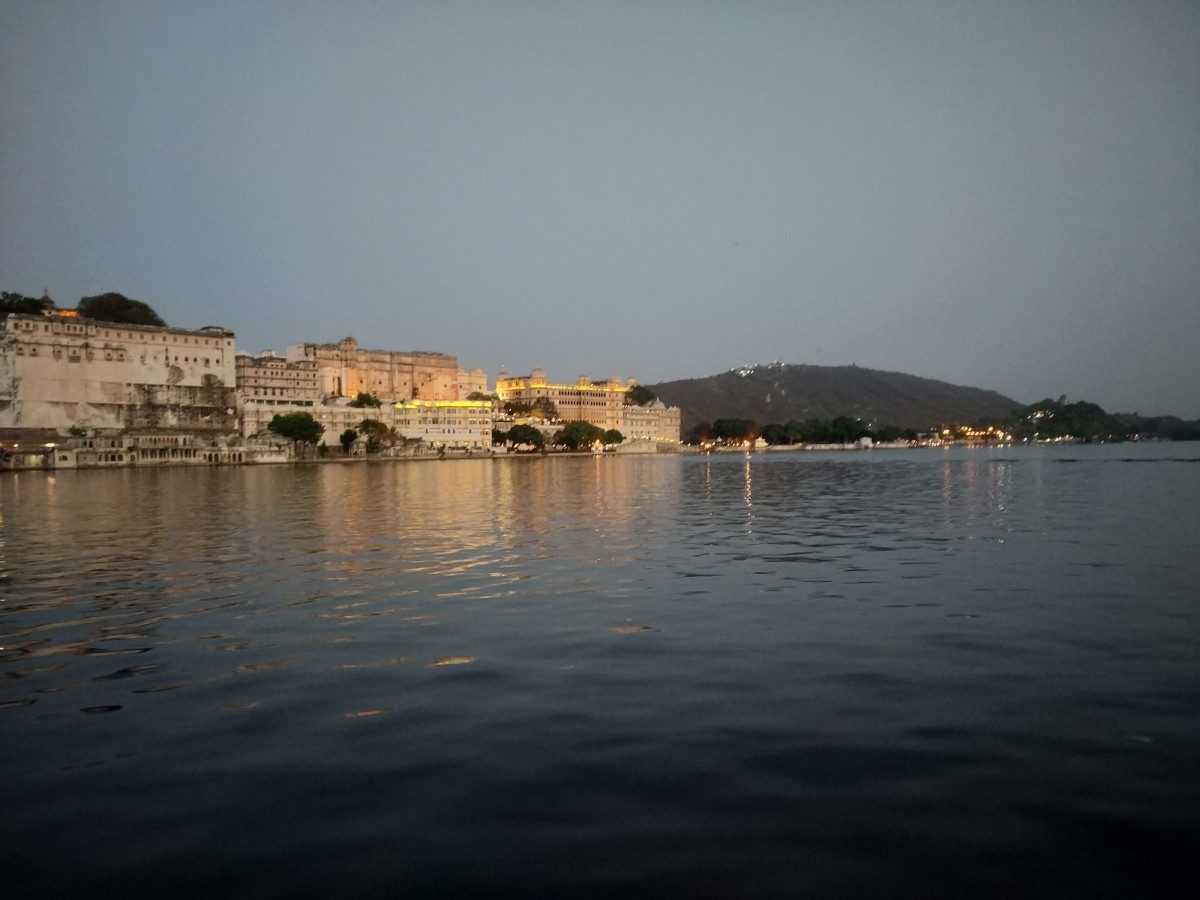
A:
(779, 393)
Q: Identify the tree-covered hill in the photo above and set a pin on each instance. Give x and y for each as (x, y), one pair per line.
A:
(779, 393)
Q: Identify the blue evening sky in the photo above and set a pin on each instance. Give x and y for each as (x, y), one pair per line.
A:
(998, 194)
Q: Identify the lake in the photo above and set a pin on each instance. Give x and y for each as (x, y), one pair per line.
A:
(923, 673)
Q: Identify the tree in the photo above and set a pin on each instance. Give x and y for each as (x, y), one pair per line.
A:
(578, 434)
(639, 396)
(846, 430)
(526, 434)
(735, 429)
(349, 436)
(300, 427)
(544, 408)
(775, 433)
(498, 436)
(363, 400)
(112, 307)
(517, 408)
(889, 434)
(20, 304)
(480, 395)
(612, 436)
(701, 432)
(375, 432)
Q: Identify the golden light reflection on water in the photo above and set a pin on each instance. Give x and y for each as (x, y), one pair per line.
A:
(279, 556)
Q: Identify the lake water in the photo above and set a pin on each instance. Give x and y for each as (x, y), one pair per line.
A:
(928, 673)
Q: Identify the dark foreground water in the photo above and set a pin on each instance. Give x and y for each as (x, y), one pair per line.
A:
(895, 674)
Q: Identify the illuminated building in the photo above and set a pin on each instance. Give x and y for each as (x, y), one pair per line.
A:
(346, 370)
(600, 403)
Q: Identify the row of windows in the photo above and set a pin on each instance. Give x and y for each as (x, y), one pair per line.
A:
(169, 440)
(61, 327)
(435, 430)
(175, 339)
(269, 373)
(110, 355)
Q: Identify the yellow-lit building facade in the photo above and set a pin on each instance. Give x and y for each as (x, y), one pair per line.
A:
(457, 425)
(449, 424)
(424, 394)
(345, 370)
(600, 403)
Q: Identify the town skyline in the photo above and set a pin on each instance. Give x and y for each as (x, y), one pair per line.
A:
(996, 195)
(559, 378)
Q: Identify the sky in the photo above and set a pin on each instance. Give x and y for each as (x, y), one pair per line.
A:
(1004, 195)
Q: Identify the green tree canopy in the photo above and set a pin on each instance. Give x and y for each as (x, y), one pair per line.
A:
(612, 436)
(375, 432)
(578, 434)
(20, 304)
(544, 408)
(112, 307)
(363, 400)
(639, 396)
(298, 426)
(526, 434)
(701, 432)
(349, 436)
(775, 433)
(846, 429)
(735, 429)
(540, 408)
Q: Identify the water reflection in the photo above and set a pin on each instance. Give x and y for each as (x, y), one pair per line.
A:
(292, 547)
(561, 661)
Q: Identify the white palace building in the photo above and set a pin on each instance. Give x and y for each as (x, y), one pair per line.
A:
(62, 375)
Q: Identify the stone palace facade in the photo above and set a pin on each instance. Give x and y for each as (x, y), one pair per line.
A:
(600, 403)
(60, 371)
(62, 375)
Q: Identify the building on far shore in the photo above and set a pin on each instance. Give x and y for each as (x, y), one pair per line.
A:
(61, 371)
(345, 370)
(101, 393)
(653, 422)
(269, 378)
(423, 395)
(600, 403)
(448, 424)
(464, 425)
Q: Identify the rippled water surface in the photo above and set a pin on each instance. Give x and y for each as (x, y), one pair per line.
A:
(903, 674)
